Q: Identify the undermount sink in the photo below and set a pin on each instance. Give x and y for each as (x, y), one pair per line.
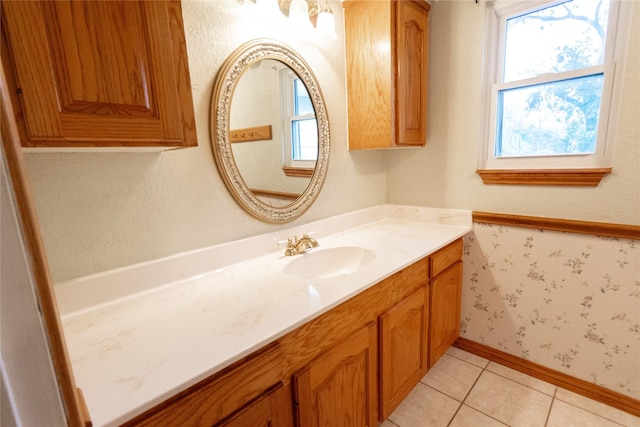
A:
(330, 262)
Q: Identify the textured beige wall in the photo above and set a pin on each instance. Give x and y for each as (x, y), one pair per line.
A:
(100, 211)
(443, 173)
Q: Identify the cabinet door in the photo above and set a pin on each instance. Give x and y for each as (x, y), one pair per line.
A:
(101, 73)
(273, 409)
(340, 388)
(412, 63)
(369, 74)
(444, 324)
(403, 349)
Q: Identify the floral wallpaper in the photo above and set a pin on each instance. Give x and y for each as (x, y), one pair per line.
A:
(570, 302)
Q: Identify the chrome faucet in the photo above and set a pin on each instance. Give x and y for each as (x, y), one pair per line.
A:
(297, 246)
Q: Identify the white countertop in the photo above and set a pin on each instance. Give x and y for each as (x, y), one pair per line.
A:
(138, 335)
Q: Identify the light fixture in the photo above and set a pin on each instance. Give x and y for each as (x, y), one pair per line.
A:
(268, 7)
(305, 14)
(299, 14)
(325, 23)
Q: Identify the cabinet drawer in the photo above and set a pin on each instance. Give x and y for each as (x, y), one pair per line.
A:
(215, 398)
(446, 257)
(271, 409)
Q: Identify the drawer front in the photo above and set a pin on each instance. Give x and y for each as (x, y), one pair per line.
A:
(446, 257)
(215, 398)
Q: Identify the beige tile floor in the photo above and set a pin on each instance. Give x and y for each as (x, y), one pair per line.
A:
(464, 390)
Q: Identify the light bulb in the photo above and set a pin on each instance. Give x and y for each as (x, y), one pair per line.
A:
(326, 24)
(268, 7)
(299, 14)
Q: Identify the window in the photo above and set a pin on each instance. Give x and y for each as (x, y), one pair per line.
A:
(548, 91)
(301, 126)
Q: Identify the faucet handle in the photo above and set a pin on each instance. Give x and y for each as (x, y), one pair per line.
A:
(311, 240)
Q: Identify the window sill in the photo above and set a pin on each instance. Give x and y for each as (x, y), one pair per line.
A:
(298, 172)
(557, 177)
(274, 194)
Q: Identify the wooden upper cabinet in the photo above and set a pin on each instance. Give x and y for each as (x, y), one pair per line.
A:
(99, 73)
(387, 58)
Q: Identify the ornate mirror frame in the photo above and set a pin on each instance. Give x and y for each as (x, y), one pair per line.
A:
(225, 84)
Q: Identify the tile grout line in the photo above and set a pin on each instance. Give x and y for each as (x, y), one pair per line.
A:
(465, 396)
(455, 413)
(501, 376)
(605, 417)
(524, 385)
(553, 396)
(553, 400)
(468, 392)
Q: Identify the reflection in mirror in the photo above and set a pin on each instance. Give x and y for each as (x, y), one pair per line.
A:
(274, 132)
(270, 131)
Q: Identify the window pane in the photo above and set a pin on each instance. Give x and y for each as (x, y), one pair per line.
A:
(564, 37)
(303, 103)
(304, 139)
(549, 119)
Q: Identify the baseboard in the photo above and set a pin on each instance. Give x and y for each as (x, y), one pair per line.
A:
(585, 388)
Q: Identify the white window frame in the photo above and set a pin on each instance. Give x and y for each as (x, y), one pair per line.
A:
(288, 77)
(618, 29)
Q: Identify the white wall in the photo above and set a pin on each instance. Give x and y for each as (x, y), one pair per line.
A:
(29, 394)
(105, 210)
(443, 173)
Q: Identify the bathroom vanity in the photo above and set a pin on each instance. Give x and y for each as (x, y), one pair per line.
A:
(230, 335)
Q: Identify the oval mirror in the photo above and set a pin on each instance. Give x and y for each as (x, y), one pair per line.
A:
(270, 131)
